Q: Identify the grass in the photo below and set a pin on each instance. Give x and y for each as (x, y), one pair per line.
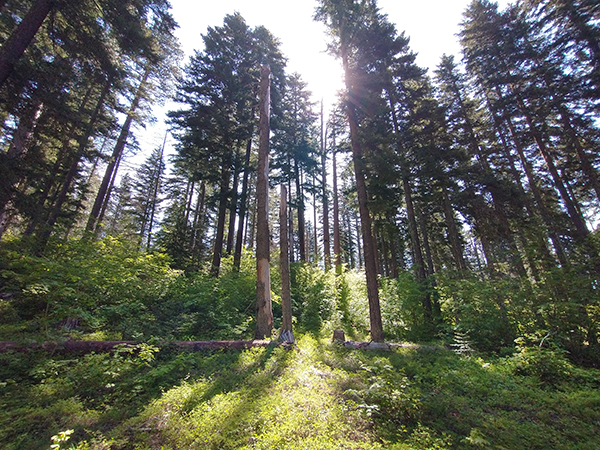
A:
(317, 396)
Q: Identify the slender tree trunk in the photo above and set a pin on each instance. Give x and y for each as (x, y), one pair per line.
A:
(197, 224)
(237, 256)
(154, 200)
(73, 169)
(233, 207)
(19, 40)
(101, 197)
(337, 248)
(218, 247)
(326, 236)
(10, 169)
(315, 236)
(578, 222)
(264, 312)
(286, 296)
(301, 220)
(537, 195)
(453, 234)
(365, 218)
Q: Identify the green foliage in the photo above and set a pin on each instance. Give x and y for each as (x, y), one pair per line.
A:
(313, 295)
(401, 308)
(106, 284)
(200, 306)
(481, 309)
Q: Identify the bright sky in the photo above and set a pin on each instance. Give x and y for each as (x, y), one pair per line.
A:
(430, 24)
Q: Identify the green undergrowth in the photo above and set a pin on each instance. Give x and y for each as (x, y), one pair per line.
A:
(317, 395)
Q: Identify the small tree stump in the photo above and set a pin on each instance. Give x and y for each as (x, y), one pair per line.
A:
(338, 336)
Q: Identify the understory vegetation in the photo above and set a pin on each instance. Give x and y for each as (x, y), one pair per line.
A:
(468, 388)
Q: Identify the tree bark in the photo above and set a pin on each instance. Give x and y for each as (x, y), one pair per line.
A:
(365, 218)
(19, 40)
(287, 334)
(264, 312)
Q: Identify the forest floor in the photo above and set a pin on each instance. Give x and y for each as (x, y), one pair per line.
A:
(317, 395)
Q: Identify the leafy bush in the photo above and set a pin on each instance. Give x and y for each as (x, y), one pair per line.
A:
(313, 296)
(106, 284)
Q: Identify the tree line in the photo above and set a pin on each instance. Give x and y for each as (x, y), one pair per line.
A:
(483, 174)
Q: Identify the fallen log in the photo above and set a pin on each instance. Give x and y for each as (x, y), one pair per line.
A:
(106, 346)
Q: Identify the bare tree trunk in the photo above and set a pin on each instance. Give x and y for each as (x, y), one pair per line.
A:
(19, 40)
(287, 334)
(264, 312)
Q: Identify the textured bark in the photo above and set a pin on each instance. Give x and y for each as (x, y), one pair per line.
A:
(284, 261)
(19, 40)
(264, 312)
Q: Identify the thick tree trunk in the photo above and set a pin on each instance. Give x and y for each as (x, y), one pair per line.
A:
(264, 312)
(19, 40)
(365, 218)
(287, 334)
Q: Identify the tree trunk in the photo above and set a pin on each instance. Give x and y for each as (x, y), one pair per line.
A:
(102, 196)
(19, 40)
(287, 334)
(239, 241)
(154, 201)
(365, 218)
(233, 207)
(10, 169)
(218, 247)
(337, 248)
(62, 195)
(301, 220)
(264, 312)
(326, 236)
(453, 235)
